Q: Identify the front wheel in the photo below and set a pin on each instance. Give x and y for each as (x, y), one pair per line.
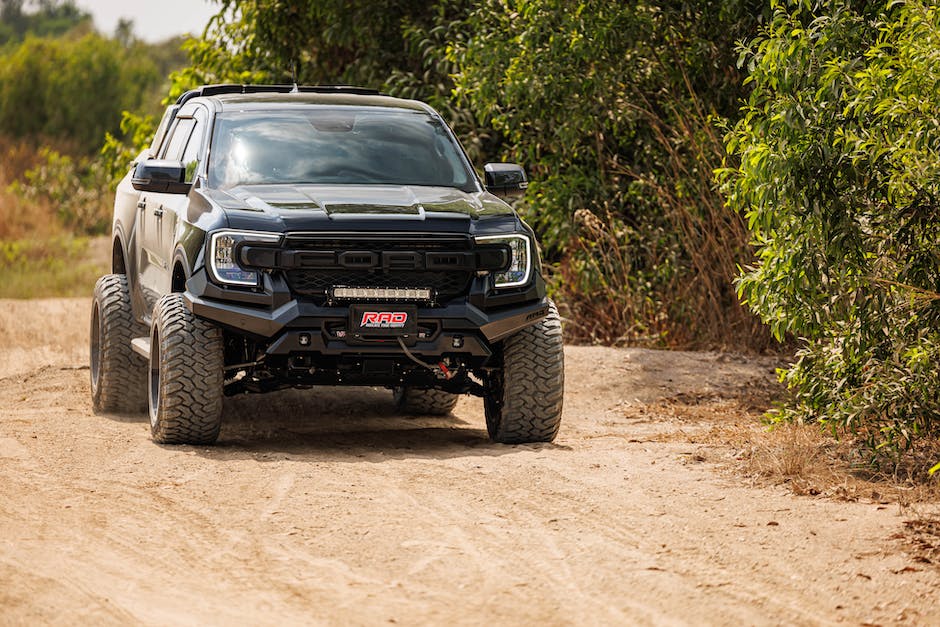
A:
(118, 374)
(186, 370)
(523, 400)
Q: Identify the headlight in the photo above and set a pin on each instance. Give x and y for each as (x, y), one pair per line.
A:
(520, 265)
(222, 255)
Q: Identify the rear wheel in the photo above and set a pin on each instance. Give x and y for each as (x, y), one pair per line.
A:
(186, 369)
(118, 374)
(424, 402)
(523, 400)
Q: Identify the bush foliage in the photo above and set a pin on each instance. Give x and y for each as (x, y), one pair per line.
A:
(52, 18)
(71, 90)
(830, 170)
(610, 106)
(63, 88)
(840, 178)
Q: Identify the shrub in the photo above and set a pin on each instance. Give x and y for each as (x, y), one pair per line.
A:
(71, 89)
(609, 105)
(839, 176)
(79, 190)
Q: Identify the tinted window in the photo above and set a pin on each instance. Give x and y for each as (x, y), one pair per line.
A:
(335, 145)
(191, 153)
(178, 139)
(161, 130)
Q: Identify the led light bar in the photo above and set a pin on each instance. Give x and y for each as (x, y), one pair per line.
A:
(381, 293)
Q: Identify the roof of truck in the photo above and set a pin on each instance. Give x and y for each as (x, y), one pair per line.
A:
(262, 96)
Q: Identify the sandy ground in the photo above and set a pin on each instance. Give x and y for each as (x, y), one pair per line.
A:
(324, 507)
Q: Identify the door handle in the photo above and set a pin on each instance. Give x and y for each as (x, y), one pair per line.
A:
(141, 204)
(158, 211)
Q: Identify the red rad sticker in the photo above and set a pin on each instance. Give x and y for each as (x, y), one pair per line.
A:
(383, 319)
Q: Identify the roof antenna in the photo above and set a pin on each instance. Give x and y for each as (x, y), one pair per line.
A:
(293, 73)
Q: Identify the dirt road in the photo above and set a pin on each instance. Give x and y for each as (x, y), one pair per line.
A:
(324, 507)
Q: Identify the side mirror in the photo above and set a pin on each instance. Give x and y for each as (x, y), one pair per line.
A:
(507, 180)
(160, 175)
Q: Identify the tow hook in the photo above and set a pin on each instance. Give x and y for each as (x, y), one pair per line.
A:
(444, 370)
(441, 370)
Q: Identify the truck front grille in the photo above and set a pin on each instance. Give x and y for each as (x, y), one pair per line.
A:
(416, 251)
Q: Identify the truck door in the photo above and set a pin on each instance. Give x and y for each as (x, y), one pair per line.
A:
(175, 206)
(153, 258)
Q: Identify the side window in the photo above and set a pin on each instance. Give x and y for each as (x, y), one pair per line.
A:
(157, 140)
(191, 153)
(179, 135)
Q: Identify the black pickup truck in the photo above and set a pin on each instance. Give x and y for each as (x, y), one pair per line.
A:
(281, 236)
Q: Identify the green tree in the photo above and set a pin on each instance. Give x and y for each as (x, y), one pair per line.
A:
(324, 41)
(609, 105)
(63, 93)
(52, 18)
(124, 32)
(840, 178)
(71, 90)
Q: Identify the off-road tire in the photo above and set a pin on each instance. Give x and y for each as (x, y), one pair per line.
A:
(185, 375)
(424, 402)
(118, 374)
(523, 400)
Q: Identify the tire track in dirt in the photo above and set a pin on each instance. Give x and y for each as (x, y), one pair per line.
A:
(323, 506)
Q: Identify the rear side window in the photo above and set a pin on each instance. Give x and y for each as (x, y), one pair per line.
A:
(179, 135)
(190, 156)
(161, 130)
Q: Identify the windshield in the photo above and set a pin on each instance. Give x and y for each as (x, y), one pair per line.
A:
(319, 144)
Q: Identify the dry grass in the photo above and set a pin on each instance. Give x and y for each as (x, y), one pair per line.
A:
(808, 460)
(16, 157)
(39, 257)
(670, 282)
(922, 535)
(57, 266)
(21, 218)
(812, 461)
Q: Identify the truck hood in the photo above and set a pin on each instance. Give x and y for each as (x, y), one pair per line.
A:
(306, 206)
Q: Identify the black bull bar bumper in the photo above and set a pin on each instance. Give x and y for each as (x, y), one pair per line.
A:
(298, 326)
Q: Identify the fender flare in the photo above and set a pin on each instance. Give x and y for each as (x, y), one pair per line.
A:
(180, 259)
(118, 238)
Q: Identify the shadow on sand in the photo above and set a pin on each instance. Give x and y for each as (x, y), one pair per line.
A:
(351, 424)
